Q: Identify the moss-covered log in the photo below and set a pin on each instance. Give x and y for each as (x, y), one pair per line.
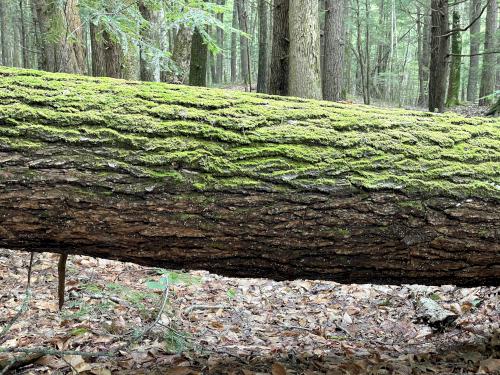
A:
(247, 185)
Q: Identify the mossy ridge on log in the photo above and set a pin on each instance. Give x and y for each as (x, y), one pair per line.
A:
(183, 137)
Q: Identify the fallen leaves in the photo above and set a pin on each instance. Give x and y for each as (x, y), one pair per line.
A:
(216, 325)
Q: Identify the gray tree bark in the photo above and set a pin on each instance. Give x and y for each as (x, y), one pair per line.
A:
(304, 78)
(488, 76)
(262, 77)
(475, 40)
(334, 46)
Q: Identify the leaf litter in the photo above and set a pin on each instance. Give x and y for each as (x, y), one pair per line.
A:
(217, 325)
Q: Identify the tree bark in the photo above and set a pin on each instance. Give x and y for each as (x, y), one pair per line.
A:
(150, 33)
(219, 71)
(440, 46)
(304, 78)
(246, 185)
(488, 76)
(63, 51)
(279, 69)
(234, 46)
(334, 50)
(454, 79)
(263, 50)
(181, 55)
(199, 60)
(3, 32)
(244, 57)
(475, 39)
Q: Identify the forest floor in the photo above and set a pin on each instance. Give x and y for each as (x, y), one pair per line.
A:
(217, 325)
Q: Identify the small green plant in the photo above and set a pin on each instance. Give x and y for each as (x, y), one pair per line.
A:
(231, 293)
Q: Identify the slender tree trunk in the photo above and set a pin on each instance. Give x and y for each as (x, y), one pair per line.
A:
(199, 59)
(279, 69)
(367, 52)
(243, 26)
(305, 77)
(334, 50)
(456, 64)
(149, 63)
(3, 32)
(24, 39)
(219, 71)
(420, 41)
(97, 51)
(16, 55)
(439, 53)
(234, 46)
(262, 77)
(475, 39)
(488, 76)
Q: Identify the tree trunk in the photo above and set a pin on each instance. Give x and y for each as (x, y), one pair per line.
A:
(440, 46)
(234, 47)
(244, 56)
(291, 189)
(263, 50)
(334, 50)
(455, 65)
(63, 50)
(488, 76)
(279, 69)
(304, 78)
(3, 32)
(475, 39)
(181, 55)
(97, 51)
(23, 34)
(219, 71)
(199, 60)
(150, 33)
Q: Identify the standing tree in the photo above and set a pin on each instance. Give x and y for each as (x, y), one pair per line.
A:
(234, 46)
(305, 55)
(488, 76)
(199, 58)
(181, 54)
(475, 38)
(334, 46)
(244, 46)
(263, 50)
(62, 36)
(3, 31)
(456, 63)
(219, 70)
(150, 33)
(279, 69)
(439, 54)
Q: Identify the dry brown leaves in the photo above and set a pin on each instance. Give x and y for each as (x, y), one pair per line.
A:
(217, 325)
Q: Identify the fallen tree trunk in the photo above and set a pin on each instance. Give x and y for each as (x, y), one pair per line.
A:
(246, 185)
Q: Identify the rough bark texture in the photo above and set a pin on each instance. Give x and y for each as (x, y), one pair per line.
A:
(304, 78)
(199, 59)
(263, 43)
(62, 36)
(278, 76)
(246, 185)
(489, 68)
(3, 31)
(234, 57)
(149, 63)
(243, 26)
(219, 72)
(181, 55)
(475, 40)
(454, 79)
(334, 50)
(440, 46)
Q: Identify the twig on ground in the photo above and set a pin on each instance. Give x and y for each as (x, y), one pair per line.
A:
(45, 351)
(189, 309)
(18, 362)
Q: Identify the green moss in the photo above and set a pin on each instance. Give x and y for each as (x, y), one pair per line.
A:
(160, 136)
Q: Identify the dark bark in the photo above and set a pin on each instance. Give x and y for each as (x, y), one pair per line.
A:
(23, 34)
(291, 189)
(440, 46)
(151, 40)
(244, 47)
(3, 32)
(454, 79)
(263, 47)
(199, 60)
(234, 58)
(279, 70)
(97, 52)
(334, 50)
(475, 39)
(181, 55)
(488, 76)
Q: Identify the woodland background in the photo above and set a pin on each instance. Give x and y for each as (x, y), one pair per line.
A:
(394, 52)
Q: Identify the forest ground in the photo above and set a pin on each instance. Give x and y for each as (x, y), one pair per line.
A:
(218, 325)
